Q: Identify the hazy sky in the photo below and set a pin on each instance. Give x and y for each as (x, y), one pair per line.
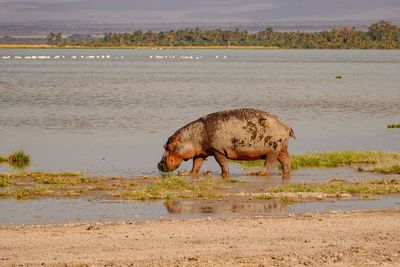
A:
(170, 11)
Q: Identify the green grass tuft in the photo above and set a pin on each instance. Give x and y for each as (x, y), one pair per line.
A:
(394, 125)
(3, 159)
(65, 178)
(170, 187)
(283, 199)
(380, 186)
(25, 193)
(383, 168)
(382, 162)
(19, 159)
(340, 158)
(3, 182)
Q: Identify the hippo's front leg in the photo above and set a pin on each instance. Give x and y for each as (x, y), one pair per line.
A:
(197, 163)
(223, 162)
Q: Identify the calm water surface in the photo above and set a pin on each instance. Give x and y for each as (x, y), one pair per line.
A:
(83, 210)
(111, 116)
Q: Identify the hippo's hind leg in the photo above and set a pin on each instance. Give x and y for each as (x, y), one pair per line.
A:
(223, 162)
(269, 162)
(197, 163)
(286, 161)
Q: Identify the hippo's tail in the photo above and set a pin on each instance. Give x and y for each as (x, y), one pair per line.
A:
(291, 133)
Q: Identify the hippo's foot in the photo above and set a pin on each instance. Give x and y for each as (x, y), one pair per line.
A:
(186, 173)
(207, 173)
(285, 175)
(183, 173)
(194, 174)
(225, 174)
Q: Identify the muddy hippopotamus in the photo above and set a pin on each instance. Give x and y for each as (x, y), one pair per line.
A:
(239, 134)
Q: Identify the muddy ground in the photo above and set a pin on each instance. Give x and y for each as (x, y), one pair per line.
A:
(334, 239)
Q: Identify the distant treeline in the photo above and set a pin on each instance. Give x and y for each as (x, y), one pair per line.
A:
(380, 35)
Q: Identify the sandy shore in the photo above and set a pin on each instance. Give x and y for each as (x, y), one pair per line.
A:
(343, 239)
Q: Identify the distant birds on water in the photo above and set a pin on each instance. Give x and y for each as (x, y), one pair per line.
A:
(165, 57)
(176, 57)
(104, 57)
(64, 57)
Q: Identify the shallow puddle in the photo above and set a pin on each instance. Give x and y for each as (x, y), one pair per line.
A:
(55, 211)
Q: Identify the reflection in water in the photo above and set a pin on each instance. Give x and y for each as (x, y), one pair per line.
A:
(52, 210)
(226, 206)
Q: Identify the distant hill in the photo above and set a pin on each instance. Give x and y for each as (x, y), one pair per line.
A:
(42, 29)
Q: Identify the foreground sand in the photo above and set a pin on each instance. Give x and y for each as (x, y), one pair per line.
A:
(343, 239)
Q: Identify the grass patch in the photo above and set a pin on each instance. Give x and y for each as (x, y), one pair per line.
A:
(394, 125)
(283, 199)
(208, 194)
(3, 183)
(170, 187)
(3, 159)
(19, 159)
(25, 46)
(42, 178)
(23, 185)
(25, 193)
(384, 168)
(382, 162)
(38, 177)
(380, 186)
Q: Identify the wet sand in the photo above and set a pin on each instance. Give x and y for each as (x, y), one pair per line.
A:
(334, 239)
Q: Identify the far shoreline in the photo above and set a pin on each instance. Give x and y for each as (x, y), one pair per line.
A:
(45, 46)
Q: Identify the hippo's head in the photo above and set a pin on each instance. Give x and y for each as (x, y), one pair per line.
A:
(176, 150)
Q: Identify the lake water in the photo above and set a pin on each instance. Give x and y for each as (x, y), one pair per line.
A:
(111, 115)
(85, 210)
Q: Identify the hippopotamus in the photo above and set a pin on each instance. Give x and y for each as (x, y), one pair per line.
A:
(238, 134)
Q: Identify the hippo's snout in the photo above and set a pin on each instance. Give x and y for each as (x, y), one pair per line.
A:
(162, 167)
(165, 167)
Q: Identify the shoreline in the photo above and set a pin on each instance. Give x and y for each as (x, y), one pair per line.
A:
(45, 46)
(340, 239)
(117, 223)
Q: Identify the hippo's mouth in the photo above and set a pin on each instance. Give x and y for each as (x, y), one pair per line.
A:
(164, 168)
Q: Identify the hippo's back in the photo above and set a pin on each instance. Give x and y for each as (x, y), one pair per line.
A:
(245, 131)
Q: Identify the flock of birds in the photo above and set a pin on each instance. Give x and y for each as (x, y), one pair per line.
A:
(63, 57)
(152, 57)
(158, 57)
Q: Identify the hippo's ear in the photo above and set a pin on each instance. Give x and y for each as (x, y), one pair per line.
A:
(172, 142)
(178, 138)
(169, 147)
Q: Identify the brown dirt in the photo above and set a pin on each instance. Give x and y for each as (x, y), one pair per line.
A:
(333, 239)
